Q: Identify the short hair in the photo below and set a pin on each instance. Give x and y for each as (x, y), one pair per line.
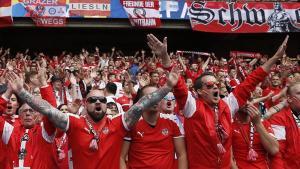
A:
(289, 89)
(153, 72)
(198, 82)
(111, 88)
(140, 93)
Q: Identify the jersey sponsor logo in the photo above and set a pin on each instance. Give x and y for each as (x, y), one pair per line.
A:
(237, 131)
(165, 132)
(140, 134)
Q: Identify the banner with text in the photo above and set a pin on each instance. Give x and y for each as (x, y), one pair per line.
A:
(89, 8)
(142, 13)
(46, 13)
(244, 17)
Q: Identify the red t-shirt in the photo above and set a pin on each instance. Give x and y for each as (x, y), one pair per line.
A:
(153, 146)
(108, 154)
(125, 102)
(287, 133)
(193, 75)
(266, 91)
(241, 142)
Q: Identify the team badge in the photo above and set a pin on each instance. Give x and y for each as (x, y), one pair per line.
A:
(105, 130)
(165, 132)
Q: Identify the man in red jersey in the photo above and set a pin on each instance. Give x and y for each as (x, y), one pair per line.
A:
(94, 139)
(208, 118)
(153, 141)
(28, 145)
(286, 126)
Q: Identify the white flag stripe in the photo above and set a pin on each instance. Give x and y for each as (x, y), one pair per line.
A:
(150, 13)
(5, 11)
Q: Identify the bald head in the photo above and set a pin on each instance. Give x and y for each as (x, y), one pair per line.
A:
(95, 92)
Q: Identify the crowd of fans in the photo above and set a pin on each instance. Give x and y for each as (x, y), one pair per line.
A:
(158, 109)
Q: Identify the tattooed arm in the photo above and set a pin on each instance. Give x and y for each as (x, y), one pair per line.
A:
(135, 112)
(59, 119)
(147, 101)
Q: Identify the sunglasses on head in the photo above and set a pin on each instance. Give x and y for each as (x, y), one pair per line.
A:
(94, 99)
(210, 84)
(169, 98)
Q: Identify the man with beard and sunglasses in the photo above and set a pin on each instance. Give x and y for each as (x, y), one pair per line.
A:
(208, 119)
(94, 139)
(286, 126)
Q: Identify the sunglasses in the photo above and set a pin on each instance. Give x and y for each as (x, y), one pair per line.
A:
(169, 98)
(94, 99)
(210, 84)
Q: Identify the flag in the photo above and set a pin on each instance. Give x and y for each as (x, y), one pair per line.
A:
(89, 8)
(5, 13)
(47, 15)
(142, 13)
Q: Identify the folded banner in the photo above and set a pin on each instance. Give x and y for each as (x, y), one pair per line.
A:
(46, 13)
(89, 8)
(5, 13)
(142, 13)
(239, 17)
(243, 54)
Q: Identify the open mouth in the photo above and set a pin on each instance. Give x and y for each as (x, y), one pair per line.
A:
(169, 104)
(98, 108)
(216, 94)
(9, 107)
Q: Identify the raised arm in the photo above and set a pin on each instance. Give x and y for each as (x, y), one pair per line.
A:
(135, 112)
(241, 93)
(160, 49)
(58, 118)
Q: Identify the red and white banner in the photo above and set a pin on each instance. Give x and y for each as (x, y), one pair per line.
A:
(143, 13)
(47, 14)
(242, 17)
(5, 13)
(89, 8)
(243, 54)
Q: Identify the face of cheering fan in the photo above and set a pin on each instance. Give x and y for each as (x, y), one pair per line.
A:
(167, 104)
(210, 90)
(28, 116)
(12, 105)
(293, 96)
(96, 105)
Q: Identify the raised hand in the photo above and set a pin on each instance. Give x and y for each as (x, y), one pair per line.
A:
(281, 50)
(73, 79)
(254, 113)
(160, 49)
(173, 76)
(16, 83)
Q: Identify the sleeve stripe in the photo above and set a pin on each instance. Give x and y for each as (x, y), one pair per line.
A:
(190, 106)
(279, 131)
(232, 103)
(182, 136)
(7, 131)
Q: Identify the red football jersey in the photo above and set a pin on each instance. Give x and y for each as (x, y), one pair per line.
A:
(240, 146)
(108, 154)
(153, 146)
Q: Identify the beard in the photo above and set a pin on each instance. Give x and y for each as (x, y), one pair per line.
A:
(96, 116)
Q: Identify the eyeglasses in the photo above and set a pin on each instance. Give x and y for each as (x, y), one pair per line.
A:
(29, 110)
(210, 84)
(94, 99)
(169, 98)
